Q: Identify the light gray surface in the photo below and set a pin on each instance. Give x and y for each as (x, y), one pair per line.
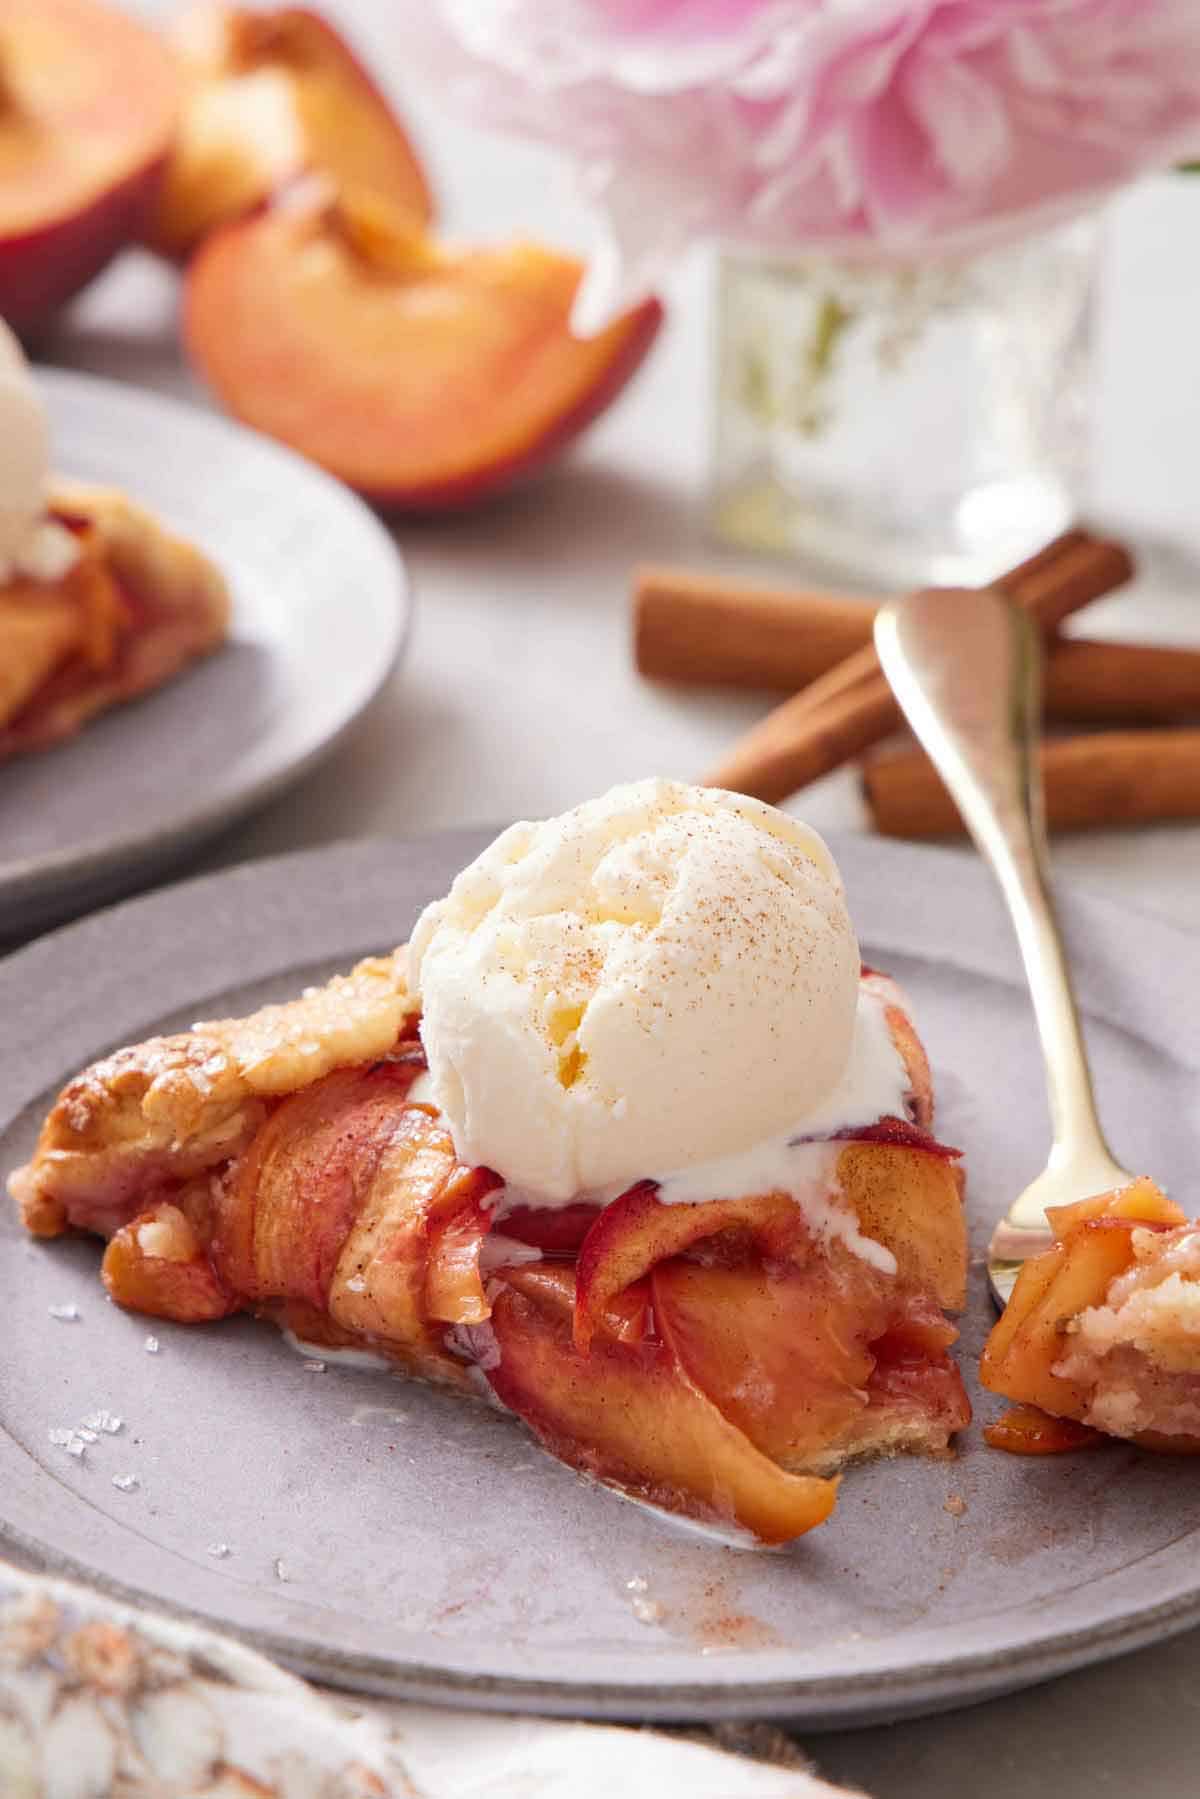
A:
(431, 1551)
(320, 610)
(521, 644)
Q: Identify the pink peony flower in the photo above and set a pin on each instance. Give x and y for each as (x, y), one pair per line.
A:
(878, 125)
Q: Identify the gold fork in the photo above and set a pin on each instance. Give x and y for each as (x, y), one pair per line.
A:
(965, 665)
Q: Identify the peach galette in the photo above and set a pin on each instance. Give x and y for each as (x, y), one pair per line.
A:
(1102, 1332)
(115, 606)
(717, 1341)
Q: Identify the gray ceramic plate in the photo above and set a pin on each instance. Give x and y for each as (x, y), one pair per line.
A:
(429, 1548)
(318, 586)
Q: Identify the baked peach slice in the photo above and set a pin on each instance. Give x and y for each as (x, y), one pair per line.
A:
(1103, 1329)
(783, 1351)
(637, 1231)
(88, 103)
(269, 95)
(157, 1264)
(813, 1351)
(283, 1215)
(906, 1199)
(424, 376)
(628, 1413)
(910, 1199)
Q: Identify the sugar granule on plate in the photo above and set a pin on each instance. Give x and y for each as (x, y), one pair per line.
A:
(126, 1483)
(281, 1569)
(104, 1420)
(314, 1367)
(151, 1345)
(218, 1550)
(70, 1440)
(89, 1436)
(64, 1314)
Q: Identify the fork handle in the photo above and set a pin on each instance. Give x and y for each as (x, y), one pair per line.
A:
(965, 665)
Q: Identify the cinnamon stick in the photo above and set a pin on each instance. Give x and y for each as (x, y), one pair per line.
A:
(852, 707)
(694, 627)
(704, 628)
(1130, 683)
(1109, 779)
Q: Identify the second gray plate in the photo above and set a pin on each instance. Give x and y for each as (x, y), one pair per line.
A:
(392, 1538)
(320, 609)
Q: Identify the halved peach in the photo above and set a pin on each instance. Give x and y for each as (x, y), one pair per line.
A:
(269, 95)
(88, 103)
(628, 1414)
(424, 376)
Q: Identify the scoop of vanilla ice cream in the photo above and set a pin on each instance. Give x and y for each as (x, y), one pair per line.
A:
(24, 453)
(659, 977)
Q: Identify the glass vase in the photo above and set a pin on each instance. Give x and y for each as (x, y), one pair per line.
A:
(904, 422)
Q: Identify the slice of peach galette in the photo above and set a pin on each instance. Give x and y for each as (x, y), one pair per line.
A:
(115, 606)
(1103, 1330)
(472, 1158)
(99, 602)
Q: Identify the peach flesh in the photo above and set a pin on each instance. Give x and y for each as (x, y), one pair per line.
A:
(269, 95)
(628, 1414)
(424, 377)
(88, 101)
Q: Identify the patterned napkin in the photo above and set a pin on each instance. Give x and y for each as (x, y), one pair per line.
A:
(99, 1701)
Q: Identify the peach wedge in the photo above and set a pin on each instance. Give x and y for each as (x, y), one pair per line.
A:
(628, 1414)
(424, 376)
(268, 95)
(88, 104)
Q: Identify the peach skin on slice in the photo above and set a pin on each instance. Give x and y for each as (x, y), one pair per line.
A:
(378, 1286)
(910, 1200)
(423, 376)
(637, 1231)
(1141, 1202)
(296, 1193)
(88, 103)
(269, 95)
(629, 1415)
(454, 1292)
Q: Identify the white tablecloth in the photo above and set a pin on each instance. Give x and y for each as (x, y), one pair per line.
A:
(518, 698)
